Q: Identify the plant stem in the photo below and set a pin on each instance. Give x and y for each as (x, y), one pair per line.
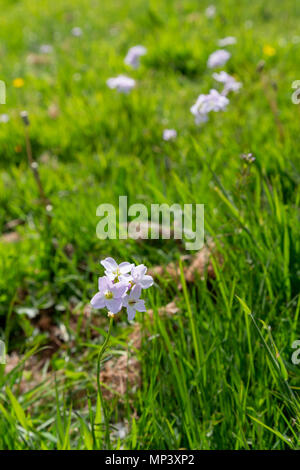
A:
(34, 168)
(100, 355)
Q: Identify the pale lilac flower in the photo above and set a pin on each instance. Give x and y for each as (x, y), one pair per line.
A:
(114, 270)
(210, 11)
(76, 31)
(218, 58)
(4, 118)
(121, 83)
(133, 303)
(230, 83)
(110, 295)
(46, 49)
(121, 287)
(228, 41)
(139, 277)
(248, 157)
(199, 110)
(133, 56)
(205, 104)
(169, 134)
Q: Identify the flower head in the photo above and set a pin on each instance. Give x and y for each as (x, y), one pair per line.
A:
(210, 11)
(218, 58)
(133, 56)
(46, 49)
(18, 82)
(230, 83)
(121, 83)
(248, 157)
(140, 278)
(169, 134)
(205, 104)
(133, 303)
(269, 50)
(76, 31)
(109, 295)
(228, 41)
(114, 270)
(121, 287)
(4, 118)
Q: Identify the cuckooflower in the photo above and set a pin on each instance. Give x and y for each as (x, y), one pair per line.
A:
(139, 277)
(228, 41)
(4, 118)
(218, 58)
(121, 83)
(169, 134)
(230, 83)
(76, 31)
(114, 270)
(110, 295)
(210, 11)
(133, 56)
(133, 303)
(46, 49)
(214, 101)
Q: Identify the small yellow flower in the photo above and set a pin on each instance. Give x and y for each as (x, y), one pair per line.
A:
(18, 82)
(269, 50)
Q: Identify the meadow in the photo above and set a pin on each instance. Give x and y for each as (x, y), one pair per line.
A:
(209, 365)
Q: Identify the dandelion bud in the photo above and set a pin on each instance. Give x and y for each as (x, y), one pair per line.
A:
(260, 66)
(24, 117)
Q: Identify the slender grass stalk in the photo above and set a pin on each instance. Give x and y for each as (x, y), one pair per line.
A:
(34, 167)
(99, 392)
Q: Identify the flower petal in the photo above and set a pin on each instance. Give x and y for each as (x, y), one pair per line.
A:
(113, 305)
(125, 278)
(135, 292)
(119, 289)
(98, 301)
(140, 306)
(139, 271)
(125, 300)
(146, 281)
(125, 267)
(103, 283)
(131, 313)
(109, 263)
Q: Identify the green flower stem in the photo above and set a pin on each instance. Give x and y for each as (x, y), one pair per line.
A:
(100, 355)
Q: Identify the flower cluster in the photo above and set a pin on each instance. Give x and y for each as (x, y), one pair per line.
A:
(248, 157)
(210, 11)
(122, 83)
(230, 83)
(121, 287)
(228, 41)
(133, 56)
(169, 134)
(218, 58)
(76, 31)
(214, 101)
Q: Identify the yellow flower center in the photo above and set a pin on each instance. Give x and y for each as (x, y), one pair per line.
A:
(108, 295)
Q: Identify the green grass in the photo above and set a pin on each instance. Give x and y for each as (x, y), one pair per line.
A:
(212, 377)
